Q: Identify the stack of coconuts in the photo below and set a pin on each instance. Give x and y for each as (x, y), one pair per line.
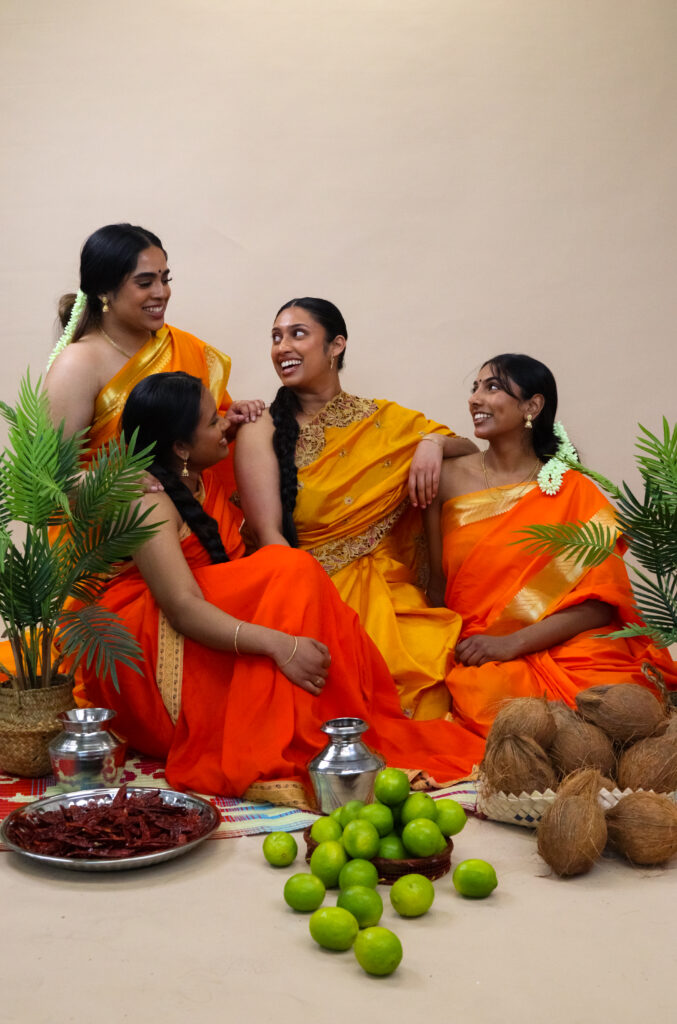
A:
(621, 737)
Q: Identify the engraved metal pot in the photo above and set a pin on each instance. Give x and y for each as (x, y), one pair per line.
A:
(346, 768)
(85, 755)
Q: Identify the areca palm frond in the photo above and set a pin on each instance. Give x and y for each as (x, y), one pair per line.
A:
(43, 484)
(648, 526)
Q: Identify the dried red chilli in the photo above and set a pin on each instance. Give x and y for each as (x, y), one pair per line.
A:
(128, 825)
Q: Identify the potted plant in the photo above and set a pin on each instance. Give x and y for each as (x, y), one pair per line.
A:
(649, 527)
(75, 527)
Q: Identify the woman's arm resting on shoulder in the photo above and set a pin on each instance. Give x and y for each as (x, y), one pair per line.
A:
(303, 660)
(258, 481)
(243, 411)
(424, 472)
(555, 629)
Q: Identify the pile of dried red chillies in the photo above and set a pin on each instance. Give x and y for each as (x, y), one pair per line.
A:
(130, 824)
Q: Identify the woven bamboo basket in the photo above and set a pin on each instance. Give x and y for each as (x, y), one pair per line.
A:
(390, 870)
(27, 724)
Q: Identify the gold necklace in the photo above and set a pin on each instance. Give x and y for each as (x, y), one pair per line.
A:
(114, 343)
(526, 481)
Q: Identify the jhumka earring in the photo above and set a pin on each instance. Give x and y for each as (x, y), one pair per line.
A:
(104, 304)
(184, 471)
(528, 424)
(331, 364)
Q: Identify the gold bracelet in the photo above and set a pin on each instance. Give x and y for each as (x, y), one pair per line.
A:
(237, 630)
(435, 438)
(296, 643)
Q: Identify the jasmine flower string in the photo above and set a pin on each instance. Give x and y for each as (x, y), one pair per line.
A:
(550, 477)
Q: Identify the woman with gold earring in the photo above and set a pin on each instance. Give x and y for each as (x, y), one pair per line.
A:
(532, 624)
(115, 335)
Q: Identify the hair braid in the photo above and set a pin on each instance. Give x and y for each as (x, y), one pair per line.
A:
(191, 511)
(283, 411)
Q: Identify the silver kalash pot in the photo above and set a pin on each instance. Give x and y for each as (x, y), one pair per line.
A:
(346, 768)
(85, 755)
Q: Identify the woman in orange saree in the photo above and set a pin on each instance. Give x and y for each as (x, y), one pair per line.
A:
(330, 473)
(532, 623)
(244, 658)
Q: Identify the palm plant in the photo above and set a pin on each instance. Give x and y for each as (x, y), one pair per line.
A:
(76, 527)
(649, 527)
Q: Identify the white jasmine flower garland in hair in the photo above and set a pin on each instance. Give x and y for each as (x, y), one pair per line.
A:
(66, 337)
(550, 477)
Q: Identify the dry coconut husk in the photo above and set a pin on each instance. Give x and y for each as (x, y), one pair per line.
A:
(671, 727)
(584, 782)
(525, 716)
(572, 834)
(650, 764)
(643, 827)
(516, 764)
(580, 744)
(625, 711)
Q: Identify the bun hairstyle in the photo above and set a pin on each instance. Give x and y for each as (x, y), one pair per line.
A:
(107, 258)
(531, 377)
(286, 405)
(165, 408)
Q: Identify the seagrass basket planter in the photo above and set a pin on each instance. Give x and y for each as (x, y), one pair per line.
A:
(28, 722)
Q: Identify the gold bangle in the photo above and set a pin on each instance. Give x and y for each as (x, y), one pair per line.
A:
(296, 643)
(435, 438)
(237, 630)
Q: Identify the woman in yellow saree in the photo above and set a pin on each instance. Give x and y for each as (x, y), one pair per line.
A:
(330, 473)
(532, 623)
(117, 320)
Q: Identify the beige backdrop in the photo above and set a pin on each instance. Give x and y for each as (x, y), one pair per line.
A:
(462, 177)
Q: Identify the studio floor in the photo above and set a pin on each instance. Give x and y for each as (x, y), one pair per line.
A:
(207, 938)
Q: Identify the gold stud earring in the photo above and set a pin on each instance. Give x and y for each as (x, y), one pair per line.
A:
(104, 304)
(528, 424)
(184, 471)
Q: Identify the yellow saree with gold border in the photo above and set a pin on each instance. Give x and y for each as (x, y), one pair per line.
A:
(499, 587)
(352, 513)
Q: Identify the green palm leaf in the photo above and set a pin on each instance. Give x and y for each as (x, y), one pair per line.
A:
(589, 543)
(95, 634)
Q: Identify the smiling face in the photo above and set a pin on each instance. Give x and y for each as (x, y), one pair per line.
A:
(208, 444)
(301, 353)
(140, 302)
(495, 412)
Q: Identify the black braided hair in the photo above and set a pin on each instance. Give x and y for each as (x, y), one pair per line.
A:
(165, 408)
(286, 405)
(531, 377)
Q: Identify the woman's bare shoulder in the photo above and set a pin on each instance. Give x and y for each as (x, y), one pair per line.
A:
(462, 475)
(258, 431)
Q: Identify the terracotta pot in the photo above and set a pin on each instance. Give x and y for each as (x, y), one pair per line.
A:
(28, 722)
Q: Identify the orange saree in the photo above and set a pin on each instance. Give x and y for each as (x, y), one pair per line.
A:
(237, 725)
(499, 587)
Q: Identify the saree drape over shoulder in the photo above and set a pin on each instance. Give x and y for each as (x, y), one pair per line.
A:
(499, 587)
(235, 724)
(352, 513)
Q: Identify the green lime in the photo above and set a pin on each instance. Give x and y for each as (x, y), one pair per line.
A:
(350, 811)
(336, 814)
(324, 829)
(422, 838)
(391, 848)
(451, 817)
(378, 950)
(418, 805)
(364, 904)
(391, 786)
(326, 861)
(358, 872)
(280, 849)
(360, 839)
(380, 816)
(412, 895)
(333, 928)
(475, 878)
(304, 892)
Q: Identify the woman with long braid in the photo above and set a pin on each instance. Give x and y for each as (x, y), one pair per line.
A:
(344, 478)
(245, 658)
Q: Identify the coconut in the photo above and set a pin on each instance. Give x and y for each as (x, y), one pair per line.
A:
(516, 764)
(580, 744)
(584, 782)
(572, 834)
(626, 711)
(525, 716)
(643, 827)
(671, 727)
(650, 764)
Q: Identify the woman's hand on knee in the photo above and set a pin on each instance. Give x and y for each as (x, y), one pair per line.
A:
(309, 666)
(477, 650)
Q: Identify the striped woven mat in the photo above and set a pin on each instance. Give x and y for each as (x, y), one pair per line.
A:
(238, 817)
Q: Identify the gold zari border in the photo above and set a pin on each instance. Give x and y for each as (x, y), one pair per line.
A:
(169, 669)
(334, 555)
(341, 411)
